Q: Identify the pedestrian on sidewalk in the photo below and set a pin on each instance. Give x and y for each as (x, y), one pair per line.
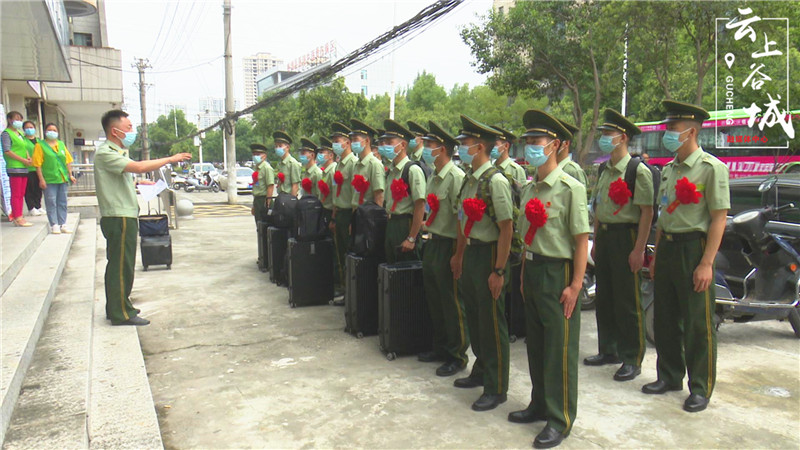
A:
(53, 164)
(119, 211)
(33, 193)
(17, 152)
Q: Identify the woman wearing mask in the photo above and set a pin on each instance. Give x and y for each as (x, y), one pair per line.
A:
(17, 153)
(53, 164)
(33, 193)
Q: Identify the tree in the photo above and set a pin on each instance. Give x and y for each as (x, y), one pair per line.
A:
(163, 133)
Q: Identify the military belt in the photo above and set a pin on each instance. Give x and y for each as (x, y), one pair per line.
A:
(683, 237)
(538, 258)
(472, 242)
(618, 226)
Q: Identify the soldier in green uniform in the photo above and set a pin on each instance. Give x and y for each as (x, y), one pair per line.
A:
(405, 203)
(368, 166)
(288, 167)
(481, 262)
(342, 192)
(504, 162)
(565, 161)
(326, 164)
(623, 215)
(265, 182)
(310, 170)
(450, 335)
(415, 145)
(694, 202)
(555, 224)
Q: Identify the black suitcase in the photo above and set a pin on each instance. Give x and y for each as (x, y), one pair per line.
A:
(515, 306)
(309, 219)
(263, 257)
(369, 230)
(276, 250)
(404, 324)
(156, 251)
(361, 297)
(310, 272)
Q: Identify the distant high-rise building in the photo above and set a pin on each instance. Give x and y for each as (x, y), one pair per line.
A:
(253, 67)
(502, 6)
(212, 109)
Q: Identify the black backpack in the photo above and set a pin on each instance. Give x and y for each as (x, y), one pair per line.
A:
(283, 210)
(426, 170)
(309, 220)
(630, 180)
(368, 230)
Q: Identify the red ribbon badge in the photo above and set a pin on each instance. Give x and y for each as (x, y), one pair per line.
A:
(433, 203)
(474, 208)
(537, 216)
(619, 193)
(399, 192)
(281, 177)
(324, 189)
(360, 184)
(339, 179)
(306, 183)
(255, 177)
(685, 193)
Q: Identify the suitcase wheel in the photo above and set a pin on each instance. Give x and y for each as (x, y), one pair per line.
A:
(391, 356)
(292, 305)
(512, 338)
(359, 335)
(169, 266)
(145, 268)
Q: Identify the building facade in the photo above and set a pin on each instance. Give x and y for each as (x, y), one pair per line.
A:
(253, 67)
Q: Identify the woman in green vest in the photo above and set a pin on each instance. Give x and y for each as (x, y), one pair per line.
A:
(53, 164)
(17, 153)
(33, 193)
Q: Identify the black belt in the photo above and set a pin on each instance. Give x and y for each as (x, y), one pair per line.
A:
(683, 237)
(618, 226)
(537, 258)
(439, 237)
(472, 242)
(400, 216)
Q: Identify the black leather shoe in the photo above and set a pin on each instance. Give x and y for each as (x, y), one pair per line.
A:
(601, 360)
(450, 368)
(695, 403)
(468, 382)
(430, 356)
(137, 321)
(627, 372)
(137, 310)
(527, 415)
(549, 437)
(488, 401)
(659, 387)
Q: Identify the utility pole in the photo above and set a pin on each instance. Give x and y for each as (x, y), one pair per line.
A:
(391, 84)
(625, 75)
(229, 126)
(141, 64)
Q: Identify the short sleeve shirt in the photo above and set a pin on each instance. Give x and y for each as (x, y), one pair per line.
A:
(710, 177)
(607, 211)
(314, 174)
(416, 181)
(573, 169)
(327, 178)
(372, 170)
(514, 170)
(445, 185)
(485, 230)
(290, 168)
(266, 177)
(343, 195)
(564, 199)
(116, 193)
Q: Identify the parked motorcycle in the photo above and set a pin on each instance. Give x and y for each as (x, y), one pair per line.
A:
(587, 295)
(178, 181)
(207, 184)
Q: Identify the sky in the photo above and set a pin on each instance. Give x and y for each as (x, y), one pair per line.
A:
(183, 39)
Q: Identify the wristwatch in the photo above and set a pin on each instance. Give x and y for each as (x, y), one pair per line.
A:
(411, 239)
(499, 272)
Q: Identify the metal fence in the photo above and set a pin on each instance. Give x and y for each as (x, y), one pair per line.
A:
(84, 179)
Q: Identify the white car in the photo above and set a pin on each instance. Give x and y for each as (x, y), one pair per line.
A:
(244, 180)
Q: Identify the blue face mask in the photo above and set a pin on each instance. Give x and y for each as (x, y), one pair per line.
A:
(280, 151)
(52, 135)
(535, 155)
(463, 153)
(129, 139)
(321, 159)
(357, 147)
(671, 140)
(427, 155)
(412, 143)
(387, 151)
(257, 159)
(606, 145)
(338, 149)
(495, 154)
(17, 124)
(30, 131)
(303, 159)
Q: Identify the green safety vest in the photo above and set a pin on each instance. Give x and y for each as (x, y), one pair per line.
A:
(54, 170)
(21, 147)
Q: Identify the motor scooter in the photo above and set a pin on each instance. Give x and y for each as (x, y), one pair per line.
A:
(195, 184)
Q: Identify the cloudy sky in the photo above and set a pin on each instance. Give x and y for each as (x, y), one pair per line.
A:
(183, 41)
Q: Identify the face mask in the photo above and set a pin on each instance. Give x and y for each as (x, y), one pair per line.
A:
(303, 159)
(17, 124)
(495, 154)
(412, 143)
(321, 159)
(257, 159)
(671, 140)
(280, 151)
(30, 131)
(338, 149)
(427, 155)
(357, 147)
(52, 135)
(129, 138)
(463, 153)
(535, 154)
(606, 144)
(387, 151)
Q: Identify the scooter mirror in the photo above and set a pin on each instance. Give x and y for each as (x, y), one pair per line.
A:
(767, 184)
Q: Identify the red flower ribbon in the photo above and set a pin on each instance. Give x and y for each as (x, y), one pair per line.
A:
(433, 203)
(255, 177)
(399, 192)
(339, 179)
(537, 216)
(306, 183)
(281, 177)
(685, 193)
(360, 184)
(474, 208)
(619, 193)
(324, 189)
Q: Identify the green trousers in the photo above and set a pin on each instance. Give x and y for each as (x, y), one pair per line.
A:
(397, 230)
(552, 342)
(450, 336)
(620, 323)
(684, 318)
(120, 234)
(486, 320)
(260, 208)
(341, 239)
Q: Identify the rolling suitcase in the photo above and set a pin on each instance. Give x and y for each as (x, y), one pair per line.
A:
(263, 259)
(156, 250)
(361, 297)
(276, 250)
(404, 325)
(515, 306)
(310, 272)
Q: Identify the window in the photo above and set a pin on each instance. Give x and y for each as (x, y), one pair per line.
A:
(364, 91)
(364, 74)
(500, 10)
(82, 39)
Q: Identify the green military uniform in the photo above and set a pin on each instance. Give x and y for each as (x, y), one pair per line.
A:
(419, 134)
(266, 177)
(553, 339)
(515, 171)
(573, 169)
(327, 179)
(620, 323)
(290, 168)
(368, 167)
(313, 173)
(343, 200)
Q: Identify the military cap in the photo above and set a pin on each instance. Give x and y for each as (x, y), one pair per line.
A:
(325, 143)
(471, 128)
(339, 129)
(570, 127)
(359, 127)
(416, 128)
(677, 111)
(258, 148)
(614, 121)
(395, 130)
(438, 134)
(308, 145)
(505, 134)
(539, 123)
(379, 132)
(281, 136)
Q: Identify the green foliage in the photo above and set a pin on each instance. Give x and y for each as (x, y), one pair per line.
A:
(164, 131)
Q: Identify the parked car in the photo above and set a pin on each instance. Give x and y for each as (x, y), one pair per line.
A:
(205, 167)
(244, 180)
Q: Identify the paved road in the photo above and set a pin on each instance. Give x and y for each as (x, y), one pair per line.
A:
(231, 365)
